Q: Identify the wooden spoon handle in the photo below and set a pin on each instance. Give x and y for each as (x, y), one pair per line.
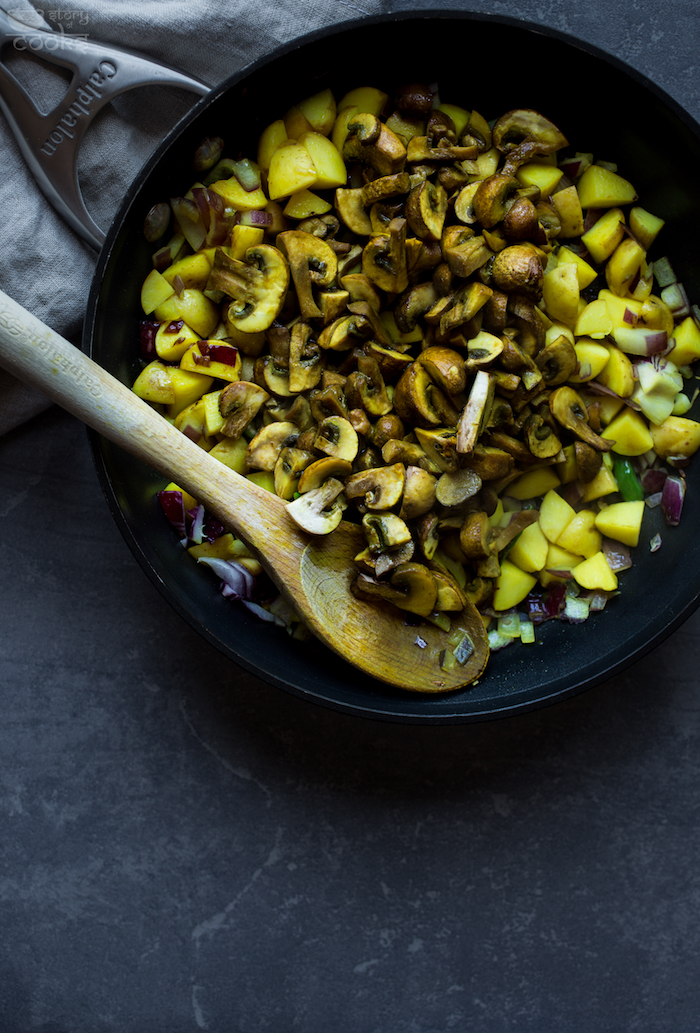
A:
(41, 357)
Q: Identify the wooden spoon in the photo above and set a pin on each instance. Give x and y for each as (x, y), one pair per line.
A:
(315, 573)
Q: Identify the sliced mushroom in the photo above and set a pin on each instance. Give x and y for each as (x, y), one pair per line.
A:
(418, 493)
(385, 562)
(288, 468)
(588, 461)
(239, 403)
(380, 488)
(365, 388)
(397, 450)
(378, 331)
(411, 587)
(471, 253)
(306, 360)
(464, 204)
(385, 187)
(569, 409)
(361, 288)
(332, 304)
(324, 226)
(319, 471)
(335, 436)
(312, 262)
(482, 350)
(392, 363)
(412, 304)
(466, 303)
(328, 401)
(386, 428)
(265, 447)
(382, 212)
(450, 597)
(257, 286)
(491, 198)
(522, 134)
(273, 377)
(446, 367)
(521, 222)
(491, 464)
(475, 536)
(541, 437)
(321, 510)
(384, 258)
(440, 445)
(344, 333)
(420, 402)
(373, 143)
(426, 208)
(454, 488)
(557, 361)
(476, 411)
(385, 531)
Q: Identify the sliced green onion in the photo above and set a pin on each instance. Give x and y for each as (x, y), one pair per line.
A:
(527, 631)
(509, 625)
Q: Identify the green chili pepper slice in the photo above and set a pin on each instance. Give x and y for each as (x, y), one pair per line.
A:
(627, 481)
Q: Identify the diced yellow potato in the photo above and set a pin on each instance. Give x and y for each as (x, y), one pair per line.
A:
(296, 122)
(196, 361)
(231, 452)
(340, 128)
(511, 586)
(305, 203)
(621, 521)
(270, 139)
(556, 330)
(533, 484)
(592, 360)
(560, 560)
(243, 237)
(173, 340)
(364, 98)
(193, 270)
(560, 293)
(603, 483)
(645, 226)
(213, 420)
(154, 383)
(585, 272)
(237, 197)
(580, 535)
(191, 422)
(320, 111)
(623, 265)
(555, 514)
(327, 160)
(154, 291)
(629, 432)
(459, 116)
(538, 174)
(595, 573)
(263, 478)
(188, 501)
(291, 169)
(608, 407)
(194, 308)
(598, 187)
(568, 208)
(568, 470)
(604, 235)
(187, 388)
(686, 342)
(594, 321)
(643, 286)
(225, 547)
(530, 549)
(676, 436)
(618, 373)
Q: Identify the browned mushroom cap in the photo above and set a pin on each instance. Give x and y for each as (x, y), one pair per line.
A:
(465, 304)
(446, 367)
(239, 403)
(482, 350)
(529, 320)
(372, 142)
(519, 268)
(344, 333)
(319, 471)
(476, 411)
(475, 536)
(420, 149)
(265, 447)
(569, 409)
(420, 402)
(455, 487)
(321, 510)
(418, 493)
(411, 587)
(524, 133)
(335, 436)
(491, 464)
(361, 288)
(365, 388)
(380, 488)
(384, 258)
(450, 597)
(521, 222)
(332, 305)
(398, 450)
(288, 468)
(469, 254)
(328, 401)
(540, 437)
(351, 209)
(426, 208)
(414, 99)
(588, 461)
(491, 197)
(385, 187)
(478, 129)
(257, 286)
(557, 361)
(272, 377)
(312, 262)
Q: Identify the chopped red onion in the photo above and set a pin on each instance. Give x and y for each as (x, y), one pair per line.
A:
(196, 532)
(616, 554)
(178, 286)
(630, 317)
(653, 480)
(663, 272)
(225, 353)
(677, 300)
(236, 580)
(672, 499)
(655, 543)
(652, 501)
(173, 505)
(148, 328)
(256, 217)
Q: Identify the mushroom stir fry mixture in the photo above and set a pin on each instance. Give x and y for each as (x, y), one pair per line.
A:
(444, 328)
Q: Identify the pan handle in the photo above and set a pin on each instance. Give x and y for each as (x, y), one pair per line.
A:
(50, 142)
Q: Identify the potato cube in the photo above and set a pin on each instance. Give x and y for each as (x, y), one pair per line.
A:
(231, 452)
(618, 373)
(555, 514)
(594, 321)
(533, 484)
(586, 273)
(194, 308)
(237, 197)
(599, 187)
(193, 270)
(538, 174)
(603, 483)
(327, 160)
(511, 586)
(580, 535)
(364, 98)
(154, 291)
(592, 360)
(676, 436)
(320, 111)
(173, 340)
(604, 235)
(686, 342)
(630, 434)
(560, 293)
(623, 265)
(645, 226)
(198, 361)
(291, 169)
(187, 388)
(621, 521)
(568, 207)
(595, 573)
(530, 549)
(270, 139)
(559, 560)
(154, 384)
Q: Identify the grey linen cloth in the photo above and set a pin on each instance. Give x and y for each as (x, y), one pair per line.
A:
(44, 265)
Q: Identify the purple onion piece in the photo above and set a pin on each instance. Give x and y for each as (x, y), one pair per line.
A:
(617, 555)
(196, 527)
(148, 328)
(173, 505)
(653, 480)
(672, 499)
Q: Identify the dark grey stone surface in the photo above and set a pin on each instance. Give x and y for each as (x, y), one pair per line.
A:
(185, 848)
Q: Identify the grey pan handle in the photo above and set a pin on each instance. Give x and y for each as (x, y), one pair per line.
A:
(50, 142)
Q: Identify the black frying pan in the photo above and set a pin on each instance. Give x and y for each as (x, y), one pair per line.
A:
(492, 64)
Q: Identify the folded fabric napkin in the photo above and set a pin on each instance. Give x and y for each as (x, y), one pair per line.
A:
(44, 265)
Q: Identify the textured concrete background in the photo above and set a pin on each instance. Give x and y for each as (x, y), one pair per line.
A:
(184, 848)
